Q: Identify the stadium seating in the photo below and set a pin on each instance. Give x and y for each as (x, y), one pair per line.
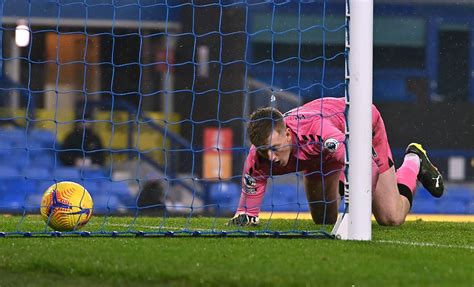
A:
(28, 167)
(458, 199)
(13, 193)
(26, 173)
(35, 172)
(41, 138)
(93, 173)
(284, 197)
(43, 158)
(119, 190)
(66, 173)
(108, 204)
(225, 195)
(470, 207)
(17, 158)
(7, 171)
(5, 145)
(13, 135)
(425, 206)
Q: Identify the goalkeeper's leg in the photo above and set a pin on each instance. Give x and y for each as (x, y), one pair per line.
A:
(391, 202)
(392, 193)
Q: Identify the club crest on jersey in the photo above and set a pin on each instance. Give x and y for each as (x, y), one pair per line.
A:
(331, 145)
(250, 184)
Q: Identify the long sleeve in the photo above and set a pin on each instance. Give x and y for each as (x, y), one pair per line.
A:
(253, 187)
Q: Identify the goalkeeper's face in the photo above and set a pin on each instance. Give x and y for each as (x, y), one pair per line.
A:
(278, 148)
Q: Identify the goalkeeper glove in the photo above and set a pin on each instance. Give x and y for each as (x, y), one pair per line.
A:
(244, 220)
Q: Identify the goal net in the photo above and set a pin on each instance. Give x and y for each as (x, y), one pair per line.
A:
(146, 103)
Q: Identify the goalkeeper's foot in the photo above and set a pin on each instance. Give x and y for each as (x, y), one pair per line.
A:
(428, 175)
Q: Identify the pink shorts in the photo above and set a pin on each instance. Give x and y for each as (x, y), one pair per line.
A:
(381, 152)
(382, 159)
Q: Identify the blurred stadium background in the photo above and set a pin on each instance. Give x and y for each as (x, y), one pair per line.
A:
(156, 81)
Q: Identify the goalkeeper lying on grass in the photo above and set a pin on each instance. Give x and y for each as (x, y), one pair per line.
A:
(309, 139)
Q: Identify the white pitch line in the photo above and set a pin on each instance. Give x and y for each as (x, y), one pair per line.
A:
(425, 244)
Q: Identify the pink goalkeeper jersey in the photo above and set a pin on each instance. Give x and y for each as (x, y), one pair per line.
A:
(315, 126)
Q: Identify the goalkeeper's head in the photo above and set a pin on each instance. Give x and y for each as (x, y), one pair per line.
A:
(268, 133)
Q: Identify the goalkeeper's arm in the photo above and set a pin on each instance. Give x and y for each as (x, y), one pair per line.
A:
(253, 190)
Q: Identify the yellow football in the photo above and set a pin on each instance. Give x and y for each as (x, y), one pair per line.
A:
(66, 206)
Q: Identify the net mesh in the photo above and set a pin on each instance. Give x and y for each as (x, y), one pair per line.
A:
(145, 104)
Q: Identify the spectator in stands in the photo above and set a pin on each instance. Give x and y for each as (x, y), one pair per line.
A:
(297, 141)
(152, 199)
(82, 146)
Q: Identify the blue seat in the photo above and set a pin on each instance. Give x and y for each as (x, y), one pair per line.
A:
(456, 200)
(6, 186)
(460, 193)
(453, 206)
(275, 203)
(41, 138)
(5, 144)
(117, 186)
(18, 139)
(9, 172)
(286, 197)
(470, 208)
(426, 206)
(422, 193)
(12, 204)
(107, 204)
(66, 173)
(297, 201)
(16, 158)
(93, 173)
(119, 189)
(31, 185)
(91, 185)
(12, 196)
(27, 185)
(36, 173)
(27, 188)
(33, 203)
(224, 194)
(4, 153)
(34, 144)
(276, 197)
(15, 197)
(13, 135)
(42, 158)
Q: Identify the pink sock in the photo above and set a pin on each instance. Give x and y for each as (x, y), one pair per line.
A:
(408, 172)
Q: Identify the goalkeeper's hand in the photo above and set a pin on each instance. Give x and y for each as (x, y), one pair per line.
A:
(244, 220)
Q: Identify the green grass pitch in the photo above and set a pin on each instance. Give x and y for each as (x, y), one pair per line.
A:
(416, 254)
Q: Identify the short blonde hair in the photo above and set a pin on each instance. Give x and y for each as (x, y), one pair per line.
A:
(262, 123)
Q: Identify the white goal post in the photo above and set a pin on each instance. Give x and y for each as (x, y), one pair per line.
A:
(355, 224)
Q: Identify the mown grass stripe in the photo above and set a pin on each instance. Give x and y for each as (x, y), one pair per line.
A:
(425, 244)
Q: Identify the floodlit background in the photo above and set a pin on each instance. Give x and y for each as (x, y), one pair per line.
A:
(156, 79)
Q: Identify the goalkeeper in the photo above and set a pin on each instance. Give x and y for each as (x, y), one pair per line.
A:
(310, 139)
